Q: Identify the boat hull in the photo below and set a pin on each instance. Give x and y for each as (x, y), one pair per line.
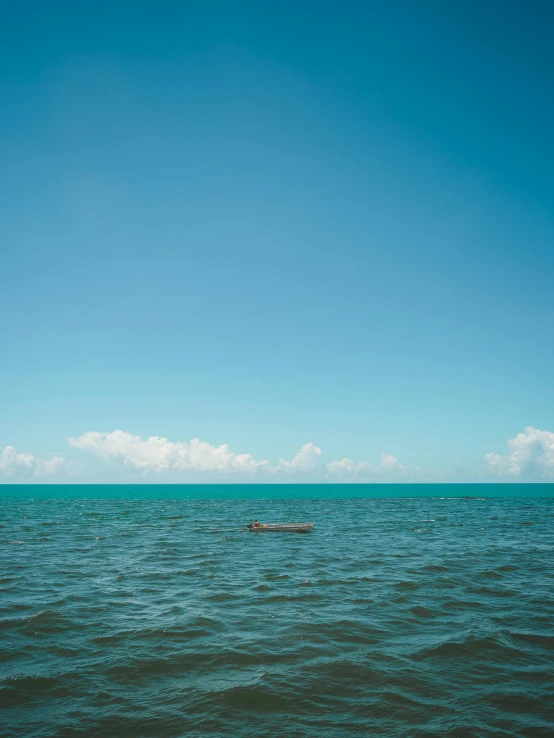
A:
(282, 528)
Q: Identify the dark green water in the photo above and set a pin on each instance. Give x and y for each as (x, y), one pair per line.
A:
(138, 616)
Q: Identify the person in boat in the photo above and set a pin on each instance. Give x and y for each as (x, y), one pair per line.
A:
(256, 524)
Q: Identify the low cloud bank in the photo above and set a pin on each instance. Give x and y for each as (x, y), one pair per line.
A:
(530, 457)
(159, 455)
(14, 464)
(129, 457)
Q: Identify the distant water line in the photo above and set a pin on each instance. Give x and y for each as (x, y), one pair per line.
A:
(271, 491)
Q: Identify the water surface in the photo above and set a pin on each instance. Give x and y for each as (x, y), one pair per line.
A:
(395, 617)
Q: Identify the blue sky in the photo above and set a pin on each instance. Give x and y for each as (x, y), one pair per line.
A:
(273, 224)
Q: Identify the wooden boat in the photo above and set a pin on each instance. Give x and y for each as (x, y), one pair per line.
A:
(281, 527)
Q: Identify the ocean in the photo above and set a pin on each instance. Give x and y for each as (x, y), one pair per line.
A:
(410, 610)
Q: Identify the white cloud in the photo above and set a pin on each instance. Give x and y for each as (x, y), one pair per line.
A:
(14, 464)
(53, 465)
(157, 454)
(388, 468)
(305, 460)
(180, 459)
(530, 456)
(123, 455)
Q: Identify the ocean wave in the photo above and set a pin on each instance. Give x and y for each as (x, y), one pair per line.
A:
(488, 649)
(159, 628)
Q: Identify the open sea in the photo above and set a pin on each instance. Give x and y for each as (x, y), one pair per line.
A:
(410, 610)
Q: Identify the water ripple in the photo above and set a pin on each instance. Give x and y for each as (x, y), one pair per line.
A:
(158, 618)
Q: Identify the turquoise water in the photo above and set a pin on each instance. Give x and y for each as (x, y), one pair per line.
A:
(270, 491)
(145, 611)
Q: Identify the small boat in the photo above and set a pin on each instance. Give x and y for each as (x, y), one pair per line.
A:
(281, 527)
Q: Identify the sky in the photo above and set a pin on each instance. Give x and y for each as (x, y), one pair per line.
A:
(276, 241)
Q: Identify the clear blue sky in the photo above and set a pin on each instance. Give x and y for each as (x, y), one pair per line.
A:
(268, 223)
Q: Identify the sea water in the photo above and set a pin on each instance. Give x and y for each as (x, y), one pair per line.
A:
(149, 611)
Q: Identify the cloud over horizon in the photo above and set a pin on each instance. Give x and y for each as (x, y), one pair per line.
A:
(530, 457)
(14, 464)
(165, 460)
(127, 457)
(157, 454)
(388, 465)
